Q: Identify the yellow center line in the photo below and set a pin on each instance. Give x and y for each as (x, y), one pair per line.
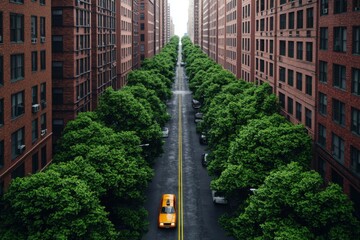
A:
(180, 189)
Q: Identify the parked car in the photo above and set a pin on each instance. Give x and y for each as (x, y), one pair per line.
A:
(204, 159)
(165, 132)
(203, 138)
(196, 104)
(182, 64)
(198, 117)
(218, 198)
(167, 212)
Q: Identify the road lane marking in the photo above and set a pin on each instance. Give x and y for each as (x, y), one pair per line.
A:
(180, 175)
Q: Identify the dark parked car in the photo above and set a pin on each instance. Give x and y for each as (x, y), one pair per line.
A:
(204, 159)
(198, 117)
(203, 139)
(196, 104)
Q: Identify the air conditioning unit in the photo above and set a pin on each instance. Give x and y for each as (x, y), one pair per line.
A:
(42, 39)
(35, 108)
(43, 132)
(33, 40)
(325, 11)
(21, 148)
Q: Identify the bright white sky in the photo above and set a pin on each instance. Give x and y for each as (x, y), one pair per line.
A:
(179, 13)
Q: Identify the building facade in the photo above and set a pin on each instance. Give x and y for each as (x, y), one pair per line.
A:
(136, 35)
(147, 26)
(25, 89)
(338, 96)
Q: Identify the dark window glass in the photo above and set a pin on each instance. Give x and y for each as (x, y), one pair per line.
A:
(310, 18)
(17, 67)
(355, 160)
(290, 77)
(323, 71)
(324, 35)
(43, 60)
(298, 111)
(324, 7)
(356, 39)
(1, 112)
(1, 71)
(58, 96)
(340, 39)
(299, 81)
(34, 61)
(322, 135)
(57, 70)
(322, 103)
(35, 162)
(338, 148)
(355, 81)
(340, 6)
(282, 48)
(338, 112)
(291, 20)
(308, 118)
(57, 17)
(299, 54)
(282, 100)
(17, 143)
(1, 155)
(34, 130)
(290, 106)
(339, 76)
(17, 104)
(355, 121)
(18, 172)
(308, 85)
(309, 51)
(282, 72)
(300, 15)
(291, 49)
(283, 21)
(16, 27)
(1, 28)
(43, 157)
(57, 44)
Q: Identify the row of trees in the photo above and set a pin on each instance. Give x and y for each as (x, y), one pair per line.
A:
(252, 146)
(95, 187)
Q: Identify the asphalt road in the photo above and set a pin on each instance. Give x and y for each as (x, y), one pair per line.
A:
(179, 171)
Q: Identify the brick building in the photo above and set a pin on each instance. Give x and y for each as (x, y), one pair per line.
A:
(25, 88)
(147, 26)
(124, 39)
(71, 61)
(221, 36)
(213, 29)
(338, 96)
(136, 36)
(247, 35)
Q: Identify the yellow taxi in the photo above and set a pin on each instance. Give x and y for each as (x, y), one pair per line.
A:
(167, 213)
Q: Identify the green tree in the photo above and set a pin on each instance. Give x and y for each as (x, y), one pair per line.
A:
(261, 146)
(293, 204)
(47, 206)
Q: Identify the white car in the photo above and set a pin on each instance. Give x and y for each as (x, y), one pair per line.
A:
(218, 198)
(165, 132)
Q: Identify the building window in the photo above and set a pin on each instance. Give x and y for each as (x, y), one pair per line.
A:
(58, 126)
(1, 112)
(309, 51)
(299, 81)
(324, 7)
(282, 48)
(324, 35)
(291, 49)
(43, 95)
(58, 94)
(290, 77)
(57, 70)
(142, 26)
(282, 100)
(323, 71)
(1, 28)
(291, 20)
(57, 44)
(34, 130)
(17, 104)
(356, 39)
(34, 61)
(308, 85)
(340, 6)
(298, 111)
(34, 92)
(322, 135)
(339, 77)
(290, 106)
(300, 15)
(356, 5)
(1, 70)
(282, 74)
(338, 112)
(299, 50)
(142, 37)
(1, 155)
(42, 27)
(33, 27)
(17, 143)
(310, 18)
(43, 121)
(338, 148)
(17, 67)
(308, 117)
(355, 160)
(355, 81)
(355, 121)
(35, 162)
(322, 103)
(18, 172)
(283, 21)
(340, 39)
(57, 17)
(16, 27)
(43, 60)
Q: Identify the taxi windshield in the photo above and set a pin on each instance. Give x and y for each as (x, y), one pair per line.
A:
(167, 210)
